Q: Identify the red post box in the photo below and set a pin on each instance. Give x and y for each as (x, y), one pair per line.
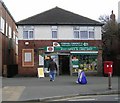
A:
(108, 67)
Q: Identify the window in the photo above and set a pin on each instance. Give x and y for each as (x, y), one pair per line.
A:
(83, 32)
(2, 24)
(76, 31)
(54, 31)
(28, 34)
(28, 57)
(16, 39)
(91, 32)
(76, 34)
(10, 32)
(14, 35)
(6, 29)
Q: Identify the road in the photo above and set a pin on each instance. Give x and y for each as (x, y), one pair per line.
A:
(92, 98)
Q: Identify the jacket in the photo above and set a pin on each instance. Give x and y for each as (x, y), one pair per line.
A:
(52, 66)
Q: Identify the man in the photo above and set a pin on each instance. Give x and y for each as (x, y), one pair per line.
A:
(52, 68)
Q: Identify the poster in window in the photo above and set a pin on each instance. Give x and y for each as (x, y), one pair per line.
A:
(41, 60)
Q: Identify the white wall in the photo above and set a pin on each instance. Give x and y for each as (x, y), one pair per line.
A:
(43, 32)
(119, 12)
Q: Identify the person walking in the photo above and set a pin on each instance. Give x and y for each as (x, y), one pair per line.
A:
(52, 68)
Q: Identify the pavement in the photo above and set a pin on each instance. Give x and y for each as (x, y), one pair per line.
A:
(41, 89)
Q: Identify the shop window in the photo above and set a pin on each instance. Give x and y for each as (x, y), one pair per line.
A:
(27, 57)
(87, 62)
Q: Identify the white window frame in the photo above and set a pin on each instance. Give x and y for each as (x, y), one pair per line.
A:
(76, 29)
(2, 25)
(54, 30)
(28, 34)
(10, 32)
(16, 39)
(91, 29)
(6, 29)
(86, 30)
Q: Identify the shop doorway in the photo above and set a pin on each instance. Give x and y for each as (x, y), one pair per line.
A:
(64, 64)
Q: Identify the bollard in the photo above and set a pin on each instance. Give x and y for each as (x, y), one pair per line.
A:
(109, 81)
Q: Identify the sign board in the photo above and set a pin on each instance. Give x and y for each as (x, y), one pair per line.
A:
(90, 48)
(40, 72)
(73, 44)
(75, 63)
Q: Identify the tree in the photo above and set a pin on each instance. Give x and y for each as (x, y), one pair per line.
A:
(109, 35)
(111, 41)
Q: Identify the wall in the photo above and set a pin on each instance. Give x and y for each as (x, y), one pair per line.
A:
(35, 44)
(8, 52)
(0, 53)
(64, 32)
(119, 12)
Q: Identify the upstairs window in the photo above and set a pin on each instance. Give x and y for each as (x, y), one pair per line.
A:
(76, 30)
(10, 32)
(28, 33)
(2, 24)
(54, 31)
(91, 32)
(84, 33)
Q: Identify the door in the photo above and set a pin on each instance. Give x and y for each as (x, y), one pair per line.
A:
(64, 64)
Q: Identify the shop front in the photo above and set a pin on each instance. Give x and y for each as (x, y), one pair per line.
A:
(72, 56)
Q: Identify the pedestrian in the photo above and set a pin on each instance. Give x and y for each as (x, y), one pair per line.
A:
(81, 77)
(52, 68)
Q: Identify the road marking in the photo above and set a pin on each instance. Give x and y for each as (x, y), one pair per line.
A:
(82, 99)
(117, 98)
(12, 93)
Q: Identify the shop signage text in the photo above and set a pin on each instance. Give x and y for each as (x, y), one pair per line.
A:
(76, 48)
(73, 44)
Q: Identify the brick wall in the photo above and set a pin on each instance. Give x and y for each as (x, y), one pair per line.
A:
(35, 44)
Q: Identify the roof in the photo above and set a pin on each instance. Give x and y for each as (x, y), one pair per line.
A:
(58, 16)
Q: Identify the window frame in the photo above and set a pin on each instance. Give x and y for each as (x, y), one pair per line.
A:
(28, 34)
(28, 63)
(86, 29)
(54, 29)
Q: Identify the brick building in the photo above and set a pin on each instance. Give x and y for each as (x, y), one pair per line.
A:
(73, 41)
(8, 39)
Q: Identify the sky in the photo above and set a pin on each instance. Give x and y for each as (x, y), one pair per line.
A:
(93, 9)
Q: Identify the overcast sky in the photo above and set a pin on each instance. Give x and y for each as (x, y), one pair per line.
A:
(22, 9)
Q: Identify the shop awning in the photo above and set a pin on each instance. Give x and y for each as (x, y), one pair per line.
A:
(84, 52)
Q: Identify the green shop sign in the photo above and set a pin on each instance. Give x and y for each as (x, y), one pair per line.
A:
(73, 44)
(75, 48)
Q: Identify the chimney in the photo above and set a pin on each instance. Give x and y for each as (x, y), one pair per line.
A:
(112, 16)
